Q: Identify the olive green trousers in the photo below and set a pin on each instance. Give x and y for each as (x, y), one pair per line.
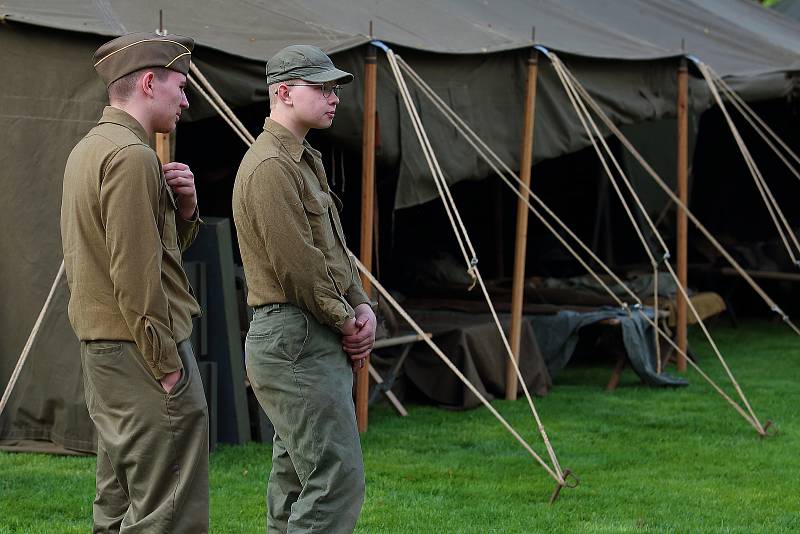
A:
(152, 447)
(303, 380)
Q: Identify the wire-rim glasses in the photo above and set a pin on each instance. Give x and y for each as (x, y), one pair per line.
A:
(327, 88)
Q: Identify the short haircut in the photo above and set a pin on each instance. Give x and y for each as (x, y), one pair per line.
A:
(122, 88)
(272, 90)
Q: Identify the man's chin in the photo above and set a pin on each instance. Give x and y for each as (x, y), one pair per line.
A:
(167, 129)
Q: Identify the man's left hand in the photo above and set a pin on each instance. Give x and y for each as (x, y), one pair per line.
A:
(181, 179)
(359, 344)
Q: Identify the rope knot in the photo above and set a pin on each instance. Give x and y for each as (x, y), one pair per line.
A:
(473, 275)
(775, 309)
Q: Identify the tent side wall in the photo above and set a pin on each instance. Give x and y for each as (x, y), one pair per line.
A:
(51, 97)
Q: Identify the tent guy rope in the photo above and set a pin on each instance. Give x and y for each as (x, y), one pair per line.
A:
(26, 350)
(594, 136)
(764, 131)
(682, 206)
(775, 212)
(570, 84)
(566, 474)
(495, 162)
(447, 199)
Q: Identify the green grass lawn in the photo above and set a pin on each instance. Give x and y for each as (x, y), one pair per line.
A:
(648, 460)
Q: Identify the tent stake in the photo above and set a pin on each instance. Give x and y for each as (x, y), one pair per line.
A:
(767, 433)
(367, 212)
(518, 284)
(561, 485)
(683, 194)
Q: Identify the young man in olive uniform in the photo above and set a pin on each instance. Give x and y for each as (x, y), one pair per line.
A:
(312, 323)
(124, 221)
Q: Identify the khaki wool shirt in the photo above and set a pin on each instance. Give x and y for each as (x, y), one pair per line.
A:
(122, 244)
(290, 234)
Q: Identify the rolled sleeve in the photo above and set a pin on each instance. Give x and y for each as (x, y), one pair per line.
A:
(129, 201)
(300, 267)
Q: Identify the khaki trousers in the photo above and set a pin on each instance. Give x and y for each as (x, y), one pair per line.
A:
(152, 447)
(303, 380)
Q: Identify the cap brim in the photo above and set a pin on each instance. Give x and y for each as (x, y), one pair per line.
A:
(333, 75)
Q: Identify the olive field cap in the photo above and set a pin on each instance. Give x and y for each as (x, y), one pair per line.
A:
(304, 62)
(136, 51)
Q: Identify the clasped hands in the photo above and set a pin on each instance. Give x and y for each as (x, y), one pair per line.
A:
(358, 335)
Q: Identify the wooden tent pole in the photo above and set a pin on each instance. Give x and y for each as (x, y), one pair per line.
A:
(683, 194)
(162, 139)
(367, 213)
(520, 248)
(162, 147)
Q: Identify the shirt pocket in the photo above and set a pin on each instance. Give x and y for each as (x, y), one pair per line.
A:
(317, 206)
(166, 224)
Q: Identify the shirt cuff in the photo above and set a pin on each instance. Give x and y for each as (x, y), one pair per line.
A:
(356, 296)
(194, 218)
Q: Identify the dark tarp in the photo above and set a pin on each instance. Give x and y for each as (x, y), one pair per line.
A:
(558, 335)
(473, 52)
(471, 341)
(548, 342)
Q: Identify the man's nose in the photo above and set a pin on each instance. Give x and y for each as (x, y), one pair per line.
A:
(184, 102)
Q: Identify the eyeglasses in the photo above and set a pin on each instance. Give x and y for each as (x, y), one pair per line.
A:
(326, 88)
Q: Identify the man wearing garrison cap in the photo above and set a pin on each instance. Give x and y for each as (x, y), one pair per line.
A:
(125, 219)
(312, 322)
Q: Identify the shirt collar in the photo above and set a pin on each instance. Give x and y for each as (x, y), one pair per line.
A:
(117, 116)
(288, 140)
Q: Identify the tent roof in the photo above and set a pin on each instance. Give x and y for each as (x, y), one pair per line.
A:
(735, 37)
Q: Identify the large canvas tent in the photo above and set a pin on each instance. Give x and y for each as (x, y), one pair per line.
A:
(472, 52)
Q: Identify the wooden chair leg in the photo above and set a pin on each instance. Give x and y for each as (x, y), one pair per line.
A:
(389, 395)
(613, 380)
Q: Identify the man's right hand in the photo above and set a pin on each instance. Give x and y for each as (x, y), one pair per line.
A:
(170, 379)
(361, 331)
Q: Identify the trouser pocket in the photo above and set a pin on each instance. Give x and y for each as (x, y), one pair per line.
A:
(277, 331)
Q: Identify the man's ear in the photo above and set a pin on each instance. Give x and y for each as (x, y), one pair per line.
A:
(283, 94)
(146, 83)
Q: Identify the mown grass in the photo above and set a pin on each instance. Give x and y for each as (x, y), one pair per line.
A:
(649, 460)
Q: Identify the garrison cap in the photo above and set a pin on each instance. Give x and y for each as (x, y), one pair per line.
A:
(304, 62)
(135, 51)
